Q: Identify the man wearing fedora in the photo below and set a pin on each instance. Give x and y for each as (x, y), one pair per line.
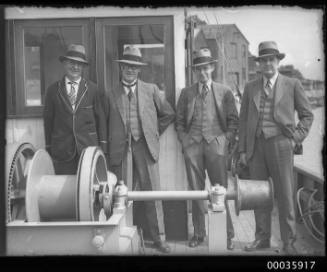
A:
(138, 115)
(74, 116)
(268, 136)
(206, 120)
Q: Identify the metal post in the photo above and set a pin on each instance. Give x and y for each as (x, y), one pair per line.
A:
(217, 231)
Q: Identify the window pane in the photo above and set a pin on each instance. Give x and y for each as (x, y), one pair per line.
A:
(42, 47)
(149, 38)
(32, 76)
(233, 50)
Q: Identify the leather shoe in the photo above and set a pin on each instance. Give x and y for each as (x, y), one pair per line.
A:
(257, 244)
(162, 246)
(195, 241)
(230, 244)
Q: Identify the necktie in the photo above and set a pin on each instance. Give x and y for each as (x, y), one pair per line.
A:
(129, 87)
(130, 93)
(204, 91)
(268, 87)
(72, 93)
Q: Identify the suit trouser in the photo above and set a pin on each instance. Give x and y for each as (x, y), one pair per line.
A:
(66, 167)
(198, 158)
(274, 157)
(145, 178)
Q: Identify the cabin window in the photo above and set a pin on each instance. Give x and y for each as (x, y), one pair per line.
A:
(35, 45)
(152, 35)
(38, 44)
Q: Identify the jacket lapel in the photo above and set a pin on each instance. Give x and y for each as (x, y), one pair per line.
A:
(279, 92)
(191, 102)
(141, 96)
(82, 89)
(217, 95)
(63, 94)
(257, 92)
(118, 94)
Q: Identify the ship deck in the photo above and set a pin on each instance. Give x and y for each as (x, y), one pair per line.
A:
(244, 227)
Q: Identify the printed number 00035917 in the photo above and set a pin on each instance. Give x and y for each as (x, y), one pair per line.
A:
(290, 265)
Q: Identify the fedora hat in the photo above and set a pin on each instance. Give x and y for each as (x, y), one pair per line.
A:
(132, 55)
(75, 52)
(202, 57)
(269, 48)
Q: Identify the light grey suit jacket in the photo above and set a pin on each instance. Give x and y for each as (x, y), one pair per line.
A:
(154, 111)
(225, 105)
(289, 96)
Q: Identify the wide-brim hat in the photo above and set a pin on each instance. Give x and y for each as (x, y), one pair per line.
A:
(75, 52)
(267, 49)
(132, 55)
(203, 57)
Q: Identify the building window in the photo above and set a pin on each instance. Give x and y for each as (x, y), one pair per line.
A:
(244, 74)
(244, 51)
(235, 36)
(38, 44)
(233, 50)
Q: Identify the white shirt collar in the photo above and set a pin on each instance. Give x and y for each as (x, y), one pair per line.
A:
(133, 87)
(68, 80)
(208, 85)
(272, 80)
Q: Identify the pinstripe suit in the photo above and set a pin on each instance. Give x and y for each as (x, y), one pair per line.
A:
(274, 156)
(68, 131)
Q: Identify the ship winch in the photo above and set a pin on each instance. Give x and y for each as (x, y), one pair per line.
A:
(88, 213)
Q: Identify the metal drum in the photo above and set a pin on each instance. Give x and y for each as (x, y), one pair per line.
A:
(251, 194)
(86, 196)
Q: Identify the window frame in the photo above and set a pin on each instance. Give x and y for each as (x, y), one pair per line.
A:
(16, 107)
(169, 66)
(232, 46)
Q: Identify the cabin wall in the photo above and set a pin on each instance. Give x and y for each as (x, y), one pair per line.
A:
(171, 162)
(25, 130)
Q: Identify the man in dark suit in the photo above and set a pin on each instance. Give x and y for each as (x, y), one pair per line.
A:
(73, 115)
(206, 121)
(138, 115)
(268, 136)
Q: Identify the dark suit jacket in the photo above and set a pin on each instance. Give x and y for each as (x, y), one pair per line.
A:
(68, 131)
(155, 113)
(225, 104)
(289, 96)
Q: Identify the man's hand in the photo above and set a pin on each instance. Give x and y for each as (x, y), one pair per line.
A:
(242, 160)
(293, 143)
(221, 139)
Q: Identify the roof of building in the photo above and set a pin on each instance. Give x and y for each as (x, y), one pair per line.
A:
(210, 31)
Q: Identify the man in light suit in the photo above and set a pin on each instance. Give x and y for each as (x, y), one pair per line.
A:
(268, 136)
(206, 121)
(138, 115)
(73, 115)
